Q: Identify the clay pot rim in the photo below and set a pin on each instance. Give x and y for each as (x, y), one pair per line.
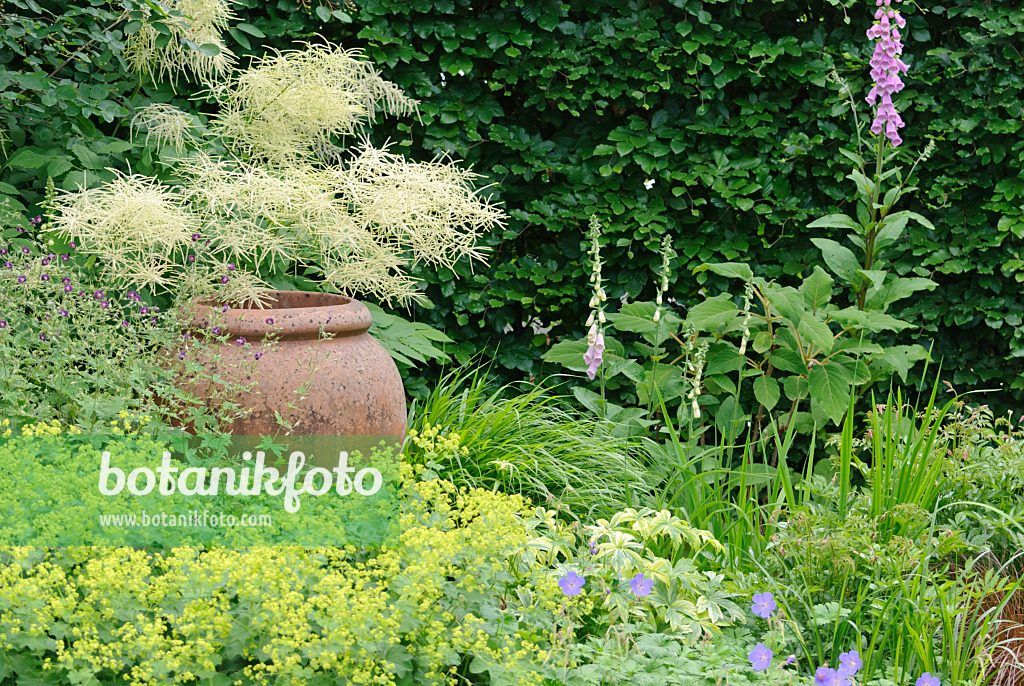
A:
(295, 315)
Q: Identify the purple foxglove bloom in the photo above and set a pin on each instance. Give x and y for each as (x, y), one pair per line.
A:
(594, 356)
(572, 584)
(886, 67)
(641, 585)
(764, 605)
(927, 679)
(760, 657)
(850, 661)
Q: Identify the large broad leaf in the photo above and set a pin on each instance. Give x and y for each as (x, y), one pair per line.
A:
(839, 259)
(667, 379)
(787, 360)
(638, 317)
(872, 321)
(732, 270)
(795, 387)
(817, 289)
(830, 387)
(835, 221)
(729, 418)
(569, 354)
(817, 333)
(788, 301)
(724, 358)
(899, 359)
(899, 288)
(766, 390)
(714, 314)
(859, 372)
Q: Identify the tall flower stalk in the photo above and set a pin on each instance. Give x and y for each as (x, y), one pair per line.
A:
(594, 356)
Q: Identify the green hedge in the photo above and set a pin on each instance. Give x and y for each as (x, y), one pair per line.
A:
(570, 108)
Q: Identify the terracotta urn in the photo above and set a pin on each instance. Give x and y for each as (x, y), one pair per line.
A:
(307, 357)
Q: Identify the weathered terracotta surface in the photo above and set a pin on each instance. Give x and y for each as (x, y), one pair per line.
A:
(351, 385)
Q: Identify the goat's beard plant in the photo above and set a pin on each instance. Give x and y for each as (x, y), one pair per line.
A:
(285, 201)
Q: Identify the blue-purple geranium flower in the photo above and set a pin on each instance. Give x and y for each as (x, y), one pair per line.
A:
(760, 657)
(641, 585)
(764, 605)
(572, 584)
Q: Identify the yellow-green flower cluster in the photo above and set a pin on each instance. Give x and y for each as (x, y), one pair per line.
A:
(291, 615)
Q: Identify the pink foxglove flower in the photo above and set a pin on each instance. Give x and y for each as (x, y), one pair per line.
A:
(595, 353)
(886, 67)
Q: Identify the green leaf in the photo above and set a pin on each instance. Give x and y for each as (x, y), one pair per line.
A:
(787, 360)
(899, 359)
(839, 259)
(569, 354)
(209, 49)
(830, 386)
(761, 342)
(899, 288)
(638, 317)
(835, 221)
(723, 358)
(872, 321)
(714, 314)
(251, 30)
(766, 390)
(817, 289)
(816, 332)
(88, 158)
(787, 301)
(324, 12)
(732, 270)
(26, 158)
(795, 387)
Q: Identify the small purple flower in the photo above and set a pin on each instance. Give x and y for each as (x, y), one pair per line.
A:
(241, 340)
(216, 331)
(258, 355)
(155, 309)
(191, 258)
(3, 251)
(195, 237)
(572, 584)
(72, 245)
(143, 310)
(104, 304)
(42, 336)
(65, 258)
(37, 221)
(45, 277)
(764, 605)
(270, 320)
(21, 229)
(8, 265)
(124, 323)
(231, 266)
(22, 279)
(225, 279)
(3, 323)
(851, 661)
(132, 295)
(45, 261)
(760, 657)
(927, 679)
(826, 676)
(223, 307)
(821, 676)
(65, 280)
(181, 355)
(25, 250)
(64, 313)
(641, 585)
(98, 295)
(791, 659)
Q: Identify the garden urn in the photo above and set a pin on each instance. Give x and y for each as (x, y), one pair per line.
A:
(307, 358)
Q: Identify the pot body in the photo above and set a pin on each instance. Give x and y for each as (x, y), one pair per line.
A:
(307, 357)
